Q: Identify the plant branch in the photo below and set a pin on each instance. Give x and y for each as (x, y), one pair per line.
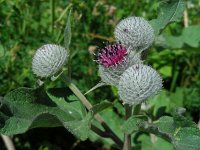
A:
(8, 142)
(88, 105)
(185, 17)
(107, 134)
(127, 137)
(136, 109)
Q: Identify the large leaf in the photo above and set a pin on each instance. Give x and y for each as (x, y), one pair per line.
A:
(187, 139)
(27, 108)
(189, 36)
(169, 12)
(181, 132)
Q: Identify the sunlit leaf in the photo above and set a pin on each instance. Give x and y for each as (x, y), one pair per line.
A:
(169, 12)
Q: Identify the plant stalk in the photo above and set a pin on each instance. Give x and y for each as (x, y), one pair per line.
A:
(109, 133)
(127, 137)
(8, 142)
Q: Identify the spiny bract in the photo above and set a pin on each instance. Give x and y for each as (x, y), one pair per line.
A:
(48, 60)
(138, 83)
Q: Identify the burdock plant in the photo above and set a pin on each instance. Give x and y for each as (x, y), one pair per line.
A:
(121, 64)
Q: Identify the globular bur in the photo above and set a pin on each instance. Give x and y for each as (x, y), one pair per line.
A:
(138, 83)
(48, 60)
(113, 60)
(135, 32)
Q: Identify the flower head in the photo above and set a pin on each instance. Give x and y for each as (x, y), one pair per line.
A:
(138, 83)
(48, 60)
(135, 32)
(112, 55)
(113, 61)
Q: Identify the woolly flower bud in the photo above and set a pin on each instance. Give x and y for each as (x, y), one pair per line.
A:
(138, 83)
(135, 32)
(48, 60)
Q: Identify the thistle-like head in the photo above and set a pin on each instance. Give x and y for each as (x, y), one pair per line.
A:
(113, 61)
(135, 32)
(138, 83)
(48, 60)
(112, 55)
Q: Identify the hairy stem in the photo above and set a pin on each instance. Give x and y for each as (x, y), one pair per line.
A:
(88, 105)
(127, 137)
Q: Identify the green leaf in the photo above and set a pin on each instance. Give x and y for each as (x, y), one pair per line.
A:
(188, 139)
(181, 132)
(27, 108)
(173, 41)
(67, 33)
(166, 71)
(191, 35)
(165, 124)
(101, 106)
(132, 124)
(154, 143)
(169, 12)
(180, 120)
(119, 108)
(57, 96)
(168, 100)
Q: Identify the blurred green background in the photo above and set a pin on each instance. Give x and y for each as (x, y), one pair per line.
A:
(25, 25)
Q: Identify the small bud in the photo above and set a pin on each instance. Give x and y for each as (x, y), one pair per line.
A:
(138, 83)
(48, 60)
(135, 32)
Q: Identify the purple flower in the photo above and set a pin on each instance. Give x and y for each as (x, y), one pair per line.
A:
(112, 55)
(113, 60)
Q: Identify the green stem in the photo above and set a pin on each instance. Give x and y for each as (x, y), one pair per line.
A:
(88, 105)
(127, 137)
(136, 109)
(81, 97)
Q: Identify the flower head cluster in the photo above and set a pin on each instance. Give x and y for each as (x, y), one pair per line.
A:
(120, 64)
(48, 60)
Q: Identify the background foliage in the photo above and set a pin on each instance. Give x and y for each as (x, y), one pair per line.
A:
(26, 25)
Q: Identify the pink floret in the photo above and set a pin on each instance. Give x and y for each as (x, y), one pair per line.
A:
(112, 55)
